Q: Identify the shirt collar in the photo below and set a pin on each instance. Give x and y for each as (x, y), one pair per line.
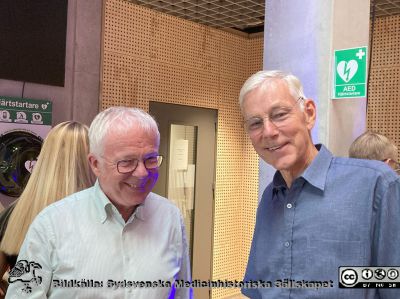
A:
(101, 202)
(278, 181)
(317, 171)
(315, 174)
(139, 212)
(104, 204)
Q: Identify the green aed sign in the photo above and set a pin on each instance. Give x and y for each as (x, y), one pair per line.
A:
(350, 73)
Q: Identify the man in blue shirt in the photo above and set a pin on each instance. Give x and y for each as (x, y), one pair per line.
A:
(320, 212)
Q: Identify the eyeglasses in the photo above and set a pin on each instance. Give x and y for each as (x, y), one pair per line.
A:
(150, 163)
(277, 117)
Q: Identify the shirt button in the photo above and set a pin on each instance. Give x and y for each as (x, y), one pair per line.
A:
(287, 244)
(289, 206)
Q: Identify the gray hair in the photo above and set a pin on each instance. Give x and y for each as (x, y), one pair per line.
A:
(118, 119)
(261, 77)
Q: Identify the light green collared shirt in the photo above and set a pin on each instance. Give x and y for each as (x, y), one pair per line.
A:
(80, 247)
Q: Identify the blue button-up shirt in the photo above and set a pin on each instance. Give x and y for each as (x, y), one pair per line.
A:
(339, 212)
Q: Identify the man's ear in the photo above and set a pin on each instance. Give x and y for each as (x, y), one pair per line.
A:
(392, 163)
(310, 113)
(94, 164)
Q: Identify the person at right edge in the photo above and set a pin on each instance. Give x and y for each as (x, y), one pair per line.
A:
(320, 212)
(375, 146)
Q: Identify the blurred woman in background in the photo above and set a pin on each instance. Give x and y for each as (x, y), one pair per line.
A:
(62, 168)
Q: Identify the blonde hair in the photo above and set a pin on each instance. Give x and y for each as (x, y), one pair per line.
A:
(373, 146)
(61, 169)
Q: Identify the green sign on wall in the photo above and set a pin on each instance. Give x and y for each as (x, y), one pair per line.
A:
(25, 111)
(350, 78)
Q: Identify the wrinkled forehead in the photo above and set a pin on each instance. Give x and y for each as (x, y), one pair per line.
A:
(269, 95)
(135, 132)
(276, 90)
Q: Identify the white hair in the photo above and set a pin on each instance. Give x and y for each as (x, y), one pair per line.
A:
(118, 119)
(261, 77)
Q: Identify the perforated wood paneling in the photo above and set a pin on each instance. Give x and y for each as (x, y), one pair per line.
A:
(149, 56)
(384, 88)
(227, 259)
(255, 62)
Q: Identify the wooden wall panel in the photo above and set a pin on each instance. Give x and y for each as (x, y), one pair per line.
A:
(384, 88)
(150, 56)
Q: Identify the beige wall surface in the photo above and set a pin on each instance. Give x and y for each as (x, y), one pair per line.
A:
(149, 56)
(347, 117)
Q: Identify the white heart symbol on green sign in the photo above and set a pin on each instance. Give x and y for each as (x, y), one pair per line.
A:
(347, 69)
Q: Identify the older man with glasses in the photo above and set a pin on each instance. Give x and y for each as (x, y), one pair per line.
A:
(320, 212)
(116, 239)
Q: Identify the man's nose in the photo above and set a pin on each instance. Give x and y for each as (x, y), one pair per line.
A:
(140, 171)
(269, 129)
